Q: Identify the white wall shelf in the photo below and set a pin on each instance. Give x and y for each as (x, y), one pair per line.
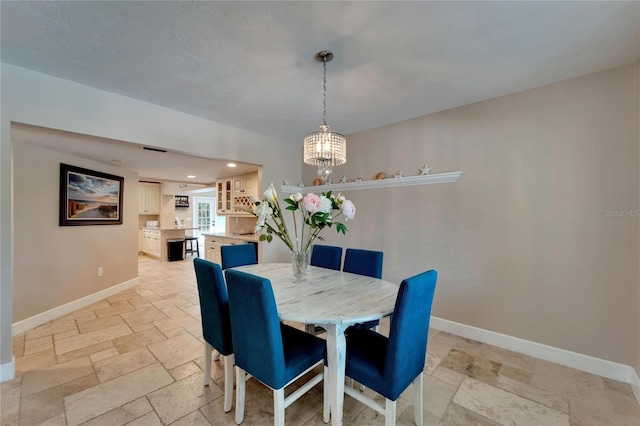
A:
(448, 177)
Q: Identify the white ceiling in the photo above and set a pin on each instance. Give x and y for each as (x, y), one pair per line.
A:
(251, 64)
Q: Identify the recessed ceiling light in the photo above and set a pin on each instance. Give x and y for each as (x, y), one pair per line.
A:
(117, 160)
(232, 165)
(191, 177)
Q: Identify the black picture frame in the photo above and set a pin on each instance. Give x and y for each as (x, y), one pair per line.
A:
(89, 197)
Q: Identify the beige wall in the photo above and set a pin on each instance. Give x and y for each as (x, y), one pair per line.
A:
(637, 322)
(54, 265)
(522, 242)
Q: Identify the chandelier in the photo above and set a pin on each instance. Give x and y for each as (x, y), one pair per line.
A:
(325, 148)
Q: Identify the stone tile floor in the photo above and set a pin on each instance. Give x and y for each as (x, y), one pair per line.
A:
(136, 358)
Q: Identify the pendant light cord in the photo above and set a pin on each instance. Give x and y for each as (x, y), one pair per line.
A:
(324, 91)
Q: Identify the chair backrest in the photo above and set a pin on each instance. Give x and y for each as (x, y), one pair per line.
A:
(238, 255)
(214, 305)
(363, 262)
(329, 257)
(407, 345)
(257, 338)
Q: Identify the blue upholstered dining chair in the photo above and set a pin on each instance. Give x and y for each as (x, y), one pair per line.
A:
(364, 262)
(271, 352)
(216, 324)
(389, 365)
(238, 255)
(329, 257)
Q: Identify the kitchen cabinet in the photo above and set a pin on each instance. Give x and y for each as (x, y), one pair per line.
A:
(212, 246)
(148, 198)
(224, 196)
(244, 187)
(151, 242)
(236, 191)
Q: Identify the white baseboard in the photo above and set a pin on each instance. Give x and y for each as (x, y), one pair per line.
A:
(8, 370)
(600, 367)
(67, 308)
(635, 384)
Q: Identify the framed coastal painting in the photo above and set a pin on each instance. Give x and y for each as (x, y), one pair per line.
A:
(88, 197)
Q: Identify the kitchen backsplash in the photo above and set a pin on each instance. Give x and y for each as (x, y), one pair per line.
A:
(241, 225)
(143, 218)
(168, 219)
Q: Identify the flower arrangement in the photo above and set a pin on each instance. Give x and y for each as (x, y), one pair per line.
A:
(317, 213)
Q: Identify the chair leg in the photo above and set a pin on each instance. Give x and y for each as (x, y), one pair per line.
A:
(278, 407)
(417, 400)
(207, 363)
(390, 413)
(228, 382)
(240, 386)
(326, 411)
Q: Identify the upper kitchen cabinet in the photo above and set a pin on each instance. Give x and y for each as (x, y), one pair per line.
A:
(224, 196)
(148, 198)
(236, 191)
(246, 185)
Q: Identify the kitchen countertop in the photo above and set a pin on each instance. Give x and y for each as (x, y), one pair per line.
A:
(175, 228)
(250, 237)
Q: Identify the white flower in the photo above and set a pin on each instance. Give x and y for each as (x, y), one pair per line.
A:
(296, 197)
(348, 210)
(325, 204)
(263, 211)
(270, 194)
(254, 199)
(340, 198)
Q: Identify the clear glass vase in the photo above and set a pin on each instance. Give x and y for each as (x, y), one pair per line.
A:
(299, 262)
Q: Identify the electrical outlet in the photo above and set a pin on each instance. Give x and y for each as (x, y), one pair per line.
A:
(100, 271)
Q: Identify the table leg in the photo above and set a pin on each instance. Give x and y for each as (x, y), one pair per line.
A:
(336, 355)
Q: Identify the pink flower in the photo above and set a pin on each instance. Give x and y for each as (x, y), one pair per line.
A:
(348, 210)
(311, 203)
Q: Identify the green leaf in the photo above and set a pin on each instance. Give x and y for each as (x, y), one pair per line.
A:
(290, 202)
(263, 237)
(341, 228)
(269, 238)
(293, 208)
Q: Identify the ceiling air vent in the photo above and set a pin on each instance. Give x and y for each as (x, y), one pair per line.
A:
(148, 148)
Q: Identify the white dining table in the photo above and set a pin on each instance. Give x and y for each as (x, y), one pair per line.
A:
(333, 300)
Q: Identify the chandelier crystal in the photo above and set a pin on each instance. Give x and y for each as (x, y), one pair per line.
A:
(325, 148)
